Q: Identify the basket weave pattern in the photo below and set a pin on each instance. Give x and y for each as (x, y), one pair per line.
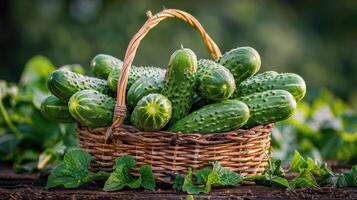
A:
(242, 150)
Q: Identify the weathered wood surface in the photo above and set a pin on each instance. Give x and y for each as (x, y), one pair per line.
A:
(30, 186)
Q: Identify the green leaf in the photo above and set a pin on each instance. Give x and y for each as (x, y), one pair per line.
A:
(348, 179)
(128, 162)
(304, 180)
(73, 171)
(280, 182)
(188, 185)
(178, 182)
(119, 179)
(147, 177)
(297, 162)
(121, 176)
(202, 175)
(226, 176)
(36, 73)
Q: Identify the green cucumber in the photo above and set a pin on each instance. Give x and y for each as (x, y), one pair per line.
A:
(269, 106)
(242, 62)
(179, 83)
(214, 81)
(217, 117)
(290, 82)
(151, 113)
(76, 68)
(54, 110)
(198, 102)
(102, 64)
(134, 74)
(63, 84)
(91, 108)
(143, 87)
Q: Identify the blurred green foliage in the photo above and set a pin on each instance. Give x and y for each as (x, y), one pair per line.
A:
(316, 39)
(27, 139)
(325, 129)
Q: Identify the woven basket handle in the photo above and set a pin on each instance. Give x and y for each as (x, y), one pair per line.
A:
(120, 108)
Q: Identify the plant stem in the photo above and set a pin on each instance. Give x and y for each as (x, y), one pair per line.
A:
(8, 120)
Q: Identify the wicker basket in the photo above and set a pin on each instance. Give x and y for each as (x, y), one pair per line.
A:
(242, 150)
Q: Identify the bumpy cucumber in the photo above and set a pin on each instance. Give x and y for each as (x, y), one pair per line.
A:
(76, 68)
(101, 65)
(63, 84)
(179, 83)
(218, 117)
(290, 82)
(143, 87)
(53, 109)
(269, 106)
(91, 108)
(214, 81)
(151, 113)
(134, 74)
(198, 102)
(242, 62)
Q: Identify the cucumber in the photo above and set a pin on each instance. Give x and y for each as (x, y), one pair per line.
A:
(269, 107)
(143, 87)
(217, 117)
(214, 81)
(102, 64)
(91, 108)
(63, 84)
(199, 102)
(54, 110)
(151, 113)
(290, 82)
(76, 68)
(134, 74)
(242, 62)
(179, 82)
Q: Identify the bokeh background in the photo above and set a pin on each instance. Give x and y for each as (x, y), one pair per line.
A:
(317, 39)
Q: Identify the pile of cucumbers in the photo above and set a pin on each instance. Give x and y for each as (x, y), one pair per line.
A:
(189, 96)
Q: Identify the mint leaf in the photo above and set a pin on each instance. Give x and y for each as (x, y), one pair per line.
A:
(73, 171)
(121, 176)
(202, 175)
(188, 185)
(305, 179)
(348, 179)
(147, 177)
(297, 162)
(178, 182)
(128, 162)
(226, 176)
(280, 182)
(206, 178)
(118, 179)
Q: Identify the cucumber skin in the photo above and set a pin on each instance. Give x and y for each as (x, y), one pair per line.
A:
(76, 68)
(134, 74)
(102, 64)
(141, 117)
(63, 84)
(143, 87)
(242, 62)
(179, 82)
(269, 107)
(217, 117)
(290, 82)
(91, 108)
(54, 110)
(214, 81)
